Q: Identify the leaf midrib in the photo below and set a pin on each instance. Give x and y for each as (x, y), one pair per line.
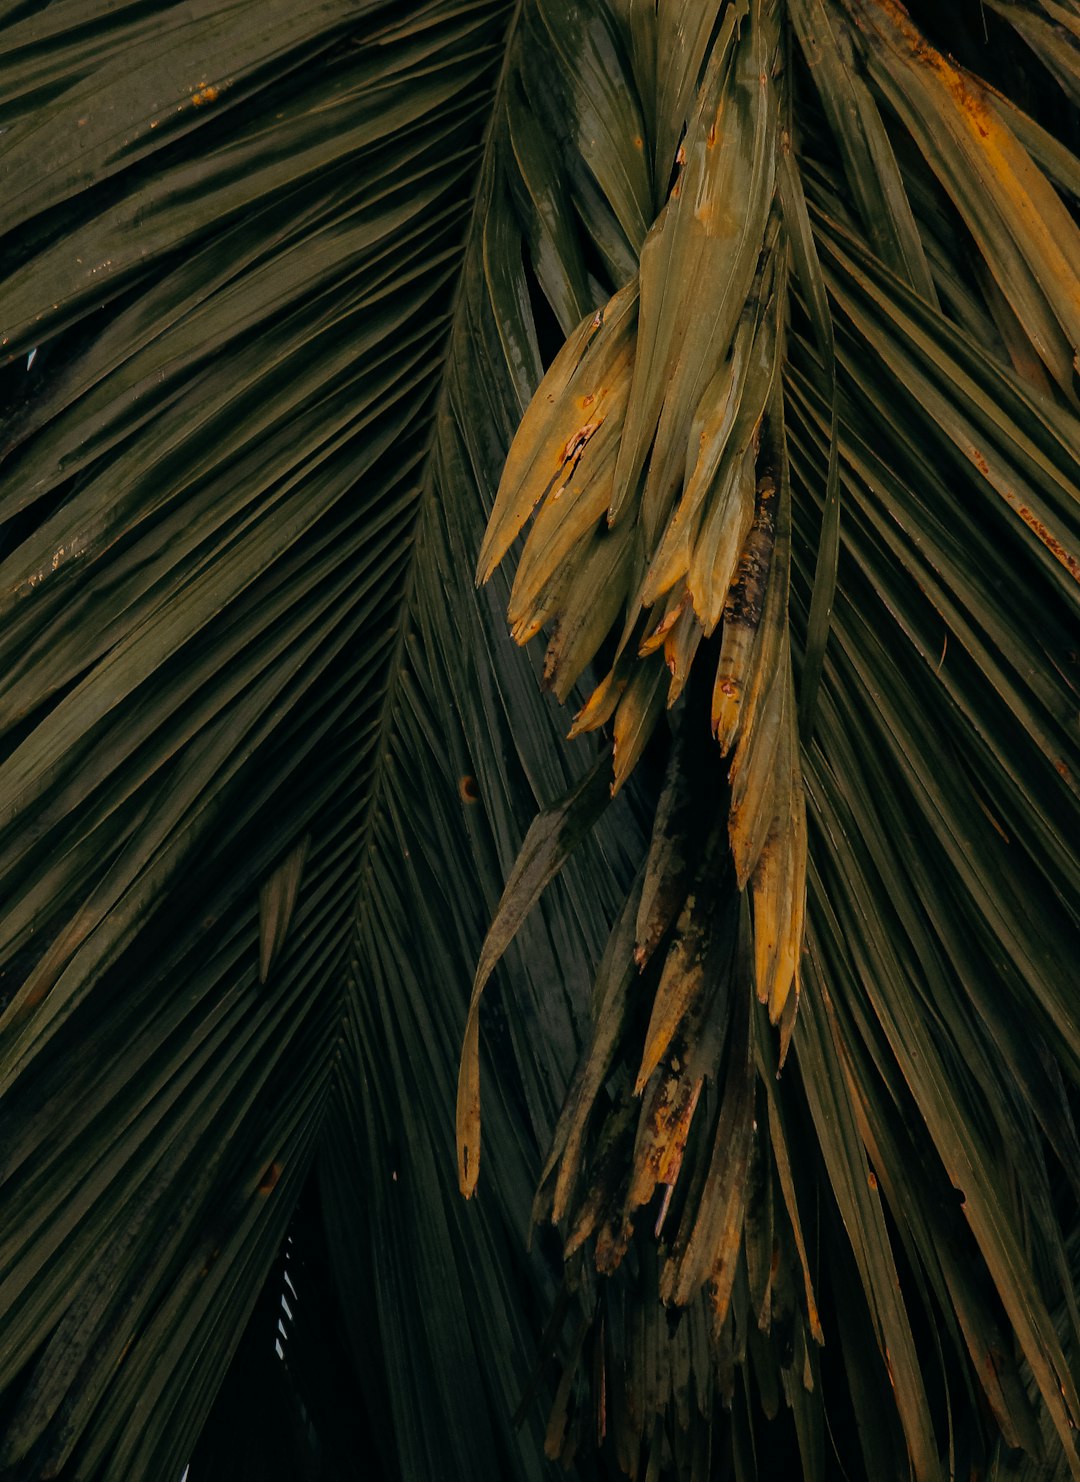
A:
(397, 663)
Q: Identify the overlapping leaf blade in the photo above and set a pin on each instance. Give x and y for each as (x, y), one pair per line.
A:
(950, 210)
(288, 309)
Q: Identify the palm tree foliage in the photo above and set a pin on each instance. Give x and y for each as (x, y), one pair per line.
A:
(800, 291)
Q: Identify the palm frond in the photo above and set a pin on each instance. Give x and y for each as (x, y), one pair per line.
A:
(764, 314)
(926, 347)
(238, 291)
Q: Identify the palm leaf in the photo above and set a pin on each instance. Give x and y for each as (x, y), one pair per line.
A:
(950, 209)
(798, 293)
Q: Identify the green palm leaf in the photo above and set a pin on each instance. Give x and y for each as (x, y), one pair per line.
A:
(766, 316)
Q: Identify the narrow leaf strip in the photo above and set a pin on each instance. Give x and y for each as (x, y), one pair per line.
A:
(277, 901)
(548, 844)
(808, 270)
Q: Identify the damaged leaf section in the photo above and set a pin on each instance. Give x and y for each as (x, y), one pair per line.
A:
(814, 413)
(652, 496)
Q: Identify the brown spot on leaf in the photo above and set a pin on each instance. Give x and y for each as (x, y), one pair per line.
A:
(468, 789)
(269, 1181)
(577, 444)
(962, 86)
(1051, 542)
(747, 594)
(1067, 558)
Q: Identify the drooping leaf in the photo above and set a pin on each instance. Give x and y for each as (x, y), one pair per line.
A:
(279, 286)
(551, 837)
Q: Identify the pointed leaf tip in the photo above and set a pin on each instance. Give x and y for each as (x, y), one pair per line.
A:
(551, 838)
